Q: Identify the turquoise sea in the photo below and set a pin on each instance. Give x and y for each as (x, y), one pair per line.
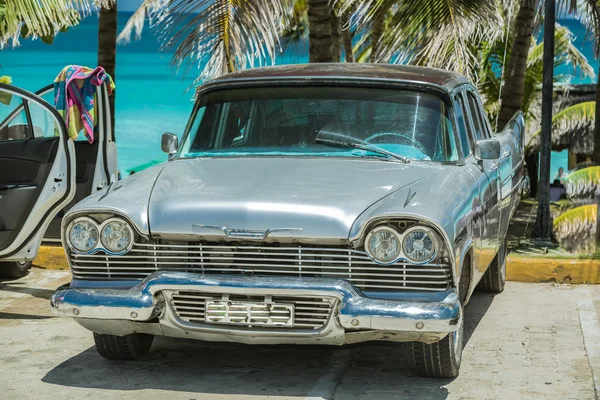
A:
(151, 97)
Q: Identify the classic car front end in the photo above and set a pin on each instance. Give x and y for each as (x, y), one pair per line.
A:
(304, 206)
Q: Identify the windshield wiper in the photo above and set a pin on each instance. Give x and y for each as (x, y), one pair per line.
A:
(360, 146)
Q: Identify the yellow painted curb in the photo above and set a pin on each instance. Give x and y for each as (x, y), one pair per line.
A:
(51, 257)
(535, 269)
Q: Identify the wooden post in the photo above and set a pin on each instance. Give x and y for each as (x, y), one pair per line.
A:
(543, 225)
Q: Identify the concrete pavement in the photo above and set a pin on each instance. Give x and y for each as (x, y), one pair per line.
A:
(534, 341)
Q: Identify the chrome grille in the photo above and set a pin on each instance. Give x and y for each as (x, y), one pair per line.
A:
(310, 313)
(286, 260)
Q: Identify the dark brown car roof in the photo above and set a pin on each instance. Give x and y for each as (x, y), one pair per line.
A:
(359, 71)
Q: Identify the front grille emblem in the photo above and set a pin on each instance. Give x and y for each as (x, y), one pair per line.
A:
(255, 234)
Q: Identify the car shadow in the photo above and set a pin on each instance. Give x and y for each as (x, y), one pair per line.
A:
(20, 287)
(232, 369)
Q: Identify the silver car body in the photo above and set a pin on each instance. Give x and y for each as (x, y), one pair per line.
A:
(290, 230)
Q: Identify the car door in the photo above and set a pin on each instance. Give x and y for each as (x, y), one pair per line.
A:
(95, 163)
(37, 171)
(510, 168)
(488, 177)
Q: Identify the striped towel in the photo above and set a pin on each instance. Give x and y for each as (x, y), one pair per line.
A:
(75, 98)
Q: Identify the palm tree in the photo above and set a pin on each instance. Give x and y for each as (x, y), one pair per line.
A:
(107, 46)
(492, 54)
(491, 62)
(223, 35)
(320, 43)
(33, 19)
(515, 71)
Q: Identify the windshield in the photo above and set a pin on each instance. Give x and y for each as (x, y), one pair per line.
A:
(318, 121)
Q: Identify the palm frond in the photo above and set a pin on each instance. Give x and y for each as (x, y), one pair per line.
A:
(565, 52)
(296, 28)
(572, 128)
(41, 18)
(222, 35)
(575, 229)
(590, 17)
(437, 33)
(441, 33)
(584, 183)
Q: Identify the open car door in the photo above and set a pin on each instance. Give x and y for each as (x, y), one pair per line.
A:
(95, 163)
(37, 172)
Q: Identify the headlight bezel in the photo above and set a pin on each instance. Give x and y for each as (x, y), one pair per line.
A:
(432, 235)
(127, 226)
(385, 228)
(100, 228)
(68, 235)
(402, 235)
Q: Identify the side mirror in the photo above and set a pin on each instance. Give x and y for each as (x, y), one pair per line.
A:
(487, 149)
(169, 144)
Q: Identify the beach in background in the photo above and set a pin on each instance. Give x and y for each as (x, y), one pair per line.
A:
(151, 97)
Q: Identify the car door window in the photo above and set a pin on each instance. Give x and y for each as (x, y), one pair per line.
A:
(463, 129)
(484, 122)
(42, 121)
(13, 119)
(476, 117)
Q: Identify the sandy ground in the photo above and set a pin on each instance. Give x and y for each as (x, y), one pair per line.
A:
(534, 341)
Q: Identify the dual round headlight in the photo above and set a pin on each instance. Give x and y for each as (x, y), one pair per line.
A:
(114, 235)
(386, 246)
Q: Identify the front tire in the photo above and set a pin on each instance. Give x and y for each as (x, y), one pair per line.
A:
(440, 359)
(14, 269)
(494, 279)
(123, 348)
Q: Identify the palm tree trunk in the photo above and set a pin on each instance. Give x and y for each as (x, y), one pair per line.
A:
(347, 39)
(107, 49)
(319, 36)
(336, 50)
(514, 73)
(376, 33)
(347, 36)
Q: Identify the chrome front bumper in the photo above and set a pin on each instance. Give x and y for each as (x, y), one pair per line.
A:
(145, 308)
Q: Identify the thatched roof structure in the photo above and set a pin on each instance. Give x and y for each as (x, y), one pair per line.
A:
(575, 135)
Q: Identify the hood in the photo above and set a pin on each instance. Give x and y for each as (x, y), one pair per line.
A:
(127, 197)
(306, 199)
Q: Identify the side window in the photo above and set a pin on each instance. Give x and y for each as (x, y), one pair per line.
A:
(13, 118)
(42, 121)
(476, 117)
(485, 122)
(462, 126)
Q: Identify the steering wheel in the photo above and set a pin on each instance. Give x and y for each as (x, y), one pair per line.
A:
(405, 140)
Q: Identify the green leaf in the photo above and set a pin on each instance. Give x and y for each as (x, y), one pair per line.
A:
(584, 183)
(49, 39)
(574, 230)
(25, 31)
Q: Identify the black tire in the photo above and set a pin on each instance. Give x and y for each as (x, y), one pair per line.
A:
(494, 279)
(123, 348)
(440, 359)
(14, 269)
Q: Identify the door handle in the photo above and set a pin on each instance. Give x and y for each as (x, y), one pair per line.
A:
(507, 154)
(495, 166)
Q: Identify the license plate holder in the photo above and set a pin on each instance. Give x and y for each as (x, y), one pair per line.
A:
(249, 313)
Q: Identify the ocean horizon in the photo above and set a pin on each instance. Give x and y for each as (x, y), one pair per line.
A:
(152, 97)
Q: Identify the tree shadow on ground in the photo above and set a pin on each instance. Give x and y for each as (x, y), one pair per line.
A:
(232, 369)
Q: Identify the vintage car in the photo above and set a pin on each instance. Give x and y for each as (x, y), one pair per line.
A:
(43, 173)
(306, 204)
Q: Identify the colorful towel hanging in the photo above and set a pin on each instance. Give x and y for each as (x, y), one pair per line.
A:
(75, 98)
